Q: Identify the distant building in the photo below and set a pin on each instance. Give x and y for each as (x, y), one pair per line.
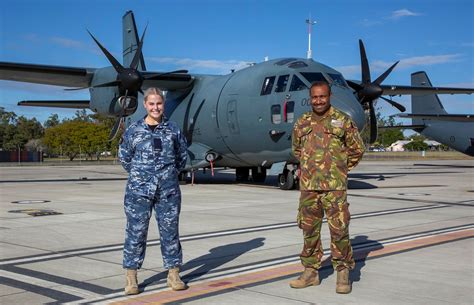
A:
(398, 145)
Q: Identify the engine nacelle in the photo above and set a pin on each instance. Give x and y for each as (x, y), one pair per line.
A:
(110, 101)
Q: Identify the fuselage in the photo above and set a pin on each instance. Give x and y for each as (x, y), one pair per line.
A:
(246, 117)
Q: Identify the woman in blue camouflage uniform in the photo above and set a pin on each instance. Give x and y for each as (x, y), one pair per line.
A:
(153, 152)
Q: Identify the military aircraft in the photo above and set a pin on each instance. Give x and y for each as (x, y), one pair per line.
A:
(431, 120)
(241, 120)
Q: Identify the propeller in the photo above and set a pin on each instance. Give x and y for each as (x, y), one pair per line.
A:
(368, 91)
(129, 81)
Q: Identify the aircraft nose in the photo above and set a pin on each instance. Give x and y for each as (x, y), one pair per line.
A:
(349, 104)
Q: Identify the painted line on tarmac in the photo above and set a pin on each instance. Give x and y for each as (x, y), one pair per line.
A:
(39, 284)
(95, 250)
(260, 272)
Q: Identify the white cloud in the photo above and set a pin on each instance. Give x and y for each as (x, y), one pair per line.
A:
(402, 13)
(202, 65)
(370, 22)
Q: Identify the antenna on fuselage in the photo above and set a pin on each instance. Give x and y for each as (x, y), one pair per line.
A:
(310, 23)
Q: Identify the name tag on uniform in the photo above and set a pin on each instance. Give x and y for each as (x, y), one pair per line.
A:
(156, 145)
(336, 123)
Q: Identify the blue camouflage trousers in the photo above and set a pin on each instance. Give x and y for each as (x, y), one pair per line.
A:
(138, 210)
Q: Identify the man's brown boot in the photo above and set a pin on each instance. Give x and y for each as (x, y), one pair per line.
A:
(309, 277)
(132, 283)
(343, 284)
(174, 281)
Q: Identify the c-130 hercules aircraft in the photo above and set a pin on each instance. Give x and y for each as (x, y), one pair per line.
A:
(241, 120)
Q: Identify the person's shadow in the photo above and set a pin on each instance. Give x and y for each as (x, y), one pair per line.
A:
(361, 247)
(216, 257)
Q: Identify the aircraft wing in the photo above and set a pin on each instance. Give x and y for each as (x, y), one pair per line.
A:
(414, 90)
(404, 90)
(45, 74)
(439, 117)
(74, 77)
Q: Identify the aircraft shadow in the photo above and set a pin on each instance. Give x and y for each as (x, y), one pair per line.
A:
(360, 256)
(216, 257)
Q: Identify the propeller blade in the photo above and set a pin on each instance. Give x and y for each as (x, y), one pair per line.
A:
(373, 123)
(115, 129)
(72, 89)
(364, 64)
(394, 104)
(354, 85)
(110, 84)
(155, 76)
(117, 66)
(382, 77)
(138, 53)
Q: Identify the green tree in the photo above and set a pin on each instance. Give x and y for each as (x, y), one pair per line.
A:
(52, 121)
(16, 131)
(73, 137)
(416, 145)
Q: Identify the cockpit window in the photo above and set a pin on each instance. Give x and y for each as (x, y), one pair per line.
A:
(338, 79)
(312, 77)
(281, 83)
(297, 84)
(267, 85)
(284, 61)
(297, 64)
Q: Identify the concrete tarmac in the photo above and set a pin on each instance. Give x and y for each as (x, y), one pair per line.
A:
(412, 228)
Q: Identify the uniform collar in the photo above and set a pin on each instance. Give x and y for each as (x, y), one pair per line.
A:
(164, 122)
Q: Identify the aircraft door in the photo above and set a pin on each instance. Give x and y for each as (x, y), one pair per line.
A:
(232, 117)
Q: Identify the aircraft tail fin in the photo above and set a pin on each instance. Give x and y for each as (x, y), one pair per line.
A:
(426, 103)
(130, 41)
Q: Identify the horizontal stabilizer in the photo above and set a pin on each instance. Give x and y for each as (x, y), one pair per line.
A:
(79, 104)
(439, 117)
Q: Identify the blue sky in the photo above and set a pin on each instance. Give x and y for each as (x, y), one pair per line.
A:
(211, 36)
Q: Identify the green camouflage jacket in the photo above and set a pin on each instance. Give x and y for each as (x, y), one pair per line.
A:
(328, 147)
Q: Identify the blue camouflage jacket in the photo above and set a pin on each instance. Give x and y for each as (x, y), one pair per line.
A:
(153, 159)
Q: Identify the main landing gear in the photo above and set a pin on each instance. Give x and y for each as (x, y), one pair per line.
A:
(259, 174)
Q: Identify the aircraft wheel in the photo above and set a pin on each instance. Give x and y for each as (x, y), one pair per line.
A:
(286, 181)
(242, 174)
(259, 177)
(182, 178)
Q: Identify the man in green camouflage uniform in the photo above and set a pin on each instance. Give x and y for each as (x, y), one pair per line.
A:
(327, 144)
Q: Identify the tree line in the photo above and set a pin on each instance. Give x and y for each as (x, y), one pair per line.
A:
(85, 134)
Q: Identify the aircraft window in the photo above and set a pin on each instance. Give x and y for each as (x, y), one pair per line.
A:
(285, 61)
(267, 85)
(297, 64)
(289, 111)
(276, 114)
(314, 77)
(281, 83)
(297, 84)
(338, 79)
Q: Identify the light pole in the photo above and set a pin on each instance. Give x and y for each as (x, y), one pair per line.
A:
(310, 23)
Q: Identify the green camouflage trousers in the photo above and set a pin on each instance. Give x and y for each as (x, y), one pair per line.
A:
(313, 205)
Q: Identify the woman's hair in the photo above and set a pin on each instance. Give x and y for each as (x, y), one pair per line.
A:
(153, 91)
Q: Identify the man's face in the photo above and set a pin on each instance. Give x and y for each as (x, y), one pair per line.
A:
(320, 99)
(154, 106)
